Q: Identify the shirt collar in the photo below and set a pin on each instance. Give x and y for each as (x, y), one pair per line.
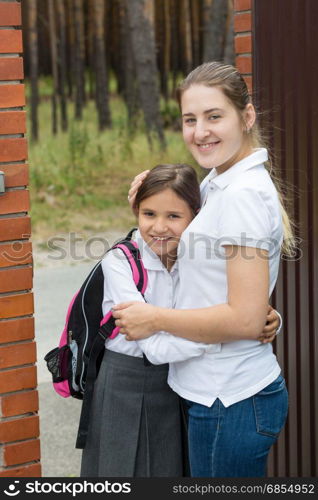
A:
(258, 157)
(150, 260)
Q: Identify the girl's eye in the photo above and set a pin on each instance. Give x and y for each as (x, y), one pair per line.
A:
(174, 216)
(148, 214)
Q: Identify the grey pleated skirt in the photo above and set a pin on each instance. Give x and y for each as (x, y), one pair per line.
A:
(137, 424)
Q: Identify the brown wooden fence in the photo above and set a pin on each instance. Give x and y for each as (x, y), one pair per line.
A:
(19, 423)
(285, 80)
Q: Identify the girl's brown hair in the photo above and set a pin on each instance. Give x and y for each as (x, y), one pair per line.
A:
(181, 178)
(231, 82)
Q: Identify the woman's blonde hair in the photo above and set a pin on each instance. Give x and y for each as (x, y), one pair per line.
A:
(233, 85)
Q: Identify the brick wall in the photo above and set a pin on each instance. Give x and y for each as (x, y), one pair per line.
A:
(19, 424)
(243, 39)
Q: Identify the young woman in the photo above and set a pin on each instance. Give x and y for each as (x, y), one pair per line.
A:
(137, 422)
(236, 397)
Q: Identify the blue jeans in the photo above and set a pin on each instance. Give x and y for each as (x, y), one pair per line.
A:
(235, 441)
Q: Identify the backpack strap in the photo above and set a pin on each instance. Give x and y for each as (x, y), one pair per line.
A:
(108, 329)
(139, 273)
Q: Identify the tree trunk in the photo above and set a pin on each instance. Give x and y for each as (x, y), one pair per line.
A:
(166, 49)
(195, 16)
(33, 42)
(100, 66)
(54, 64)
(90, 48)
(115, 49)
(70, 46)
(215, 13)
(128, 69)
(185, 20)
(140, 17)
(79, 58)
(175, 42)
(62, 61)
(229, 50)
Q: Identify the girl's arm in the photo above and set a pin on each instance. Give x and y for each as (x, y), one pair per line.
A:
(242, 317)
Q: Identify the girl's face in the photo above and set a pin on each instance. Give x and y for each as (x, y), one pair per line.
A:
(162, 218)
(213, 130)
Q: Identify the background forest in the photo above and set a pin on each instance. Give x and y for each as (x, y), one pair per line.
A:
(101, 76)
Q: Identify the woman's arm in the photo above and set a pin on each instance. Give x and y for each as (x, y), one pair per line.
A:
(119, 285)
(242, 317)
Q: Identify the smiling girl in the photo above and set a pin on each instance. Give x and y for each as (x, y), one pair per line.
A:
(137, 422)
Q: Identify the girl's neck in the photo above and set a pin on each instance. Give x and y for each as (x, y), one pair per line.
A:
(168, 261)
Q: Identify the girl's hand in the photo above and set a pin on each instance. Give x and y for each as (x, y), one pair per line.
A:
(135, 185)
(271, 326)
(136, 320)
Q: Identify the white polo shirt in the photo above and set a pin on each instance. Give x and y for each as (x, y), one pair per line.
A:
(240, 207)
(161, 291)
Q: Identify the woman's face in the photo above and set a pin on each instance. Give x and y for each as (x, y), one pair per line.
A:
(162, 218)
(213, 130)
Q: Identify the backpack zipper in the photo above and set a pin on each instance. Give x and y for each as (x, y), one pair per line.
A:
(86, 324)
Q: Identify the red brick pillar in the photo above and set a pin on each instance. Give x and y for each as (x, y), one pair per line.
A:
(243, 39)
(19, 422)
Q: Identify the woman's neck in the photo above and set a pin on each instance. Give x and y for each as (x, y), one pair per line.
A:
(244, 152)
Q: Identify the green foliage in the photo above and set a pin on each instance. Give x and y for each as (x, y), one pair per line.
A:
(80, 178)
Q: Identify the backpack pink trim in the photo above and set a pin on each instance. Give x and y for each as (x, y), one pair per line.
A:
(135, 273)
(63, 388)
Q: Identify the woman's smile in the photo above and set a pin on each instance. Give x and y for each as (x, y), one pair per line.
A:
(212, 129)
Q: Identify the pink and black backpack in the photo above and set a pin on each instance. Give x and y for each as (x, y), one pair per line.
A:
(74, 365)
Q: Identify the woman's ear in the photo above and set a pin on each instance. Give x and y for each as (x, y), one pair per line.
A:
(249, 116)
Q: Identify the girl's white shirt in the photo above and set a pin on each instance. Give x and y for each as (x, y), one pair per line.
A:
(240, 207)
(161, 291)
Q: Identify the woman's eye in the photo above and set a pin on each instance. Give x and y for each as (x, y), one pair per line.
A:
(189, 121)
(214, 117)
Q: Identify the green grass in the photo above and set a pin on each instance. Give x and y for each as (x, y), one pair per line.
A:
(79, 179)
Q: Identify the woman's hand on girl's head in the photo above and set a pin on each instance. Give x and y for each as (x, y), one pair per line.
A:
(135, 319)
(134, 186)
(271, 326)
